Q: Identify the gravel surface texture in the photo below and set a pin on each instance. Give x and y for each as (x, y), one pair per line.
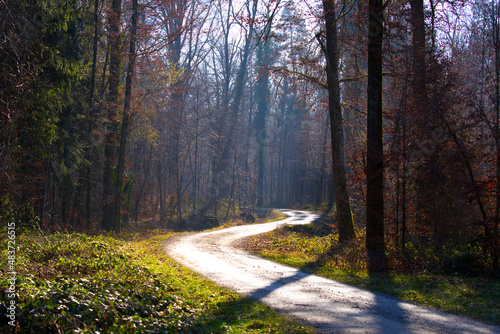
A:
(330, 306)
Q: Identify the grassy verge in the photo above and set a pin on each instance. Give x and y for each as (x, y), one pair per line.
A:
(259, 217)
(314, 249)
(73, 283)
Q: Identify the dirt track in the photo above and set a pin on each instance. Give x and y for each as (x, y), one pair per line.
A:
(330, 306)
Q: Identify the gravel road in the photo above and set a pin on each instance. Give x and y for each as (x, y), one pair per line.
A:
(330, 306)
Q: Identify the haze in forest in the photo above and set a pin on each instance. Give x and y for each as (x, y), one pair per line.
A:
(185, 114)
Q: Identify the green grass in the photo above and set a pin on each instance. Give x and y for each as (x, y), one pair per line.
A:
(272, 216)
(265, 216)
(314, 249)
(73, 283)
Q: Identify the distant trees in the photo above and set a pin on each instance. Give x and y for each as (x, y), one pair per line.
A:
(176, 112)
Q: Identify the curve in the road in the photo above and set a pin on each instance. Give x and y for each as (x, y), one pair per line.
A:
(328, 305)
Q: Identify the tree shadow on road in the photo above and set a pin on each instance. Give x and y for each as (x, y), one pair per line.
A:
(387, 306)
(382, 306)
(261, 293)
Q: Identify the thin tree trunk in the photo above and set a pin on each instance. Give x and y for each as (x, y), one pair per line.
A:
(496, 32)
(141, 190)
(403, 190)
(5, 154)
(161, 190)
(195, 173)
(88, 185)
(321, 179)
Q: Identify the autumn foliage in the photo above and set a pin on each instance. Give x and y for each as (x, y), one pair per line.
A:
(223, 105)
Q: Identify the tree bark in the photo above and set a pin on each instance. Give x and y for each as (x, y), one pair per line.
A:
(418, 40)
(262, 96)
(89, 152)
(113, 95)
(496, 43)
(423, 188)
(321, 177)
(342, 203)
(375, 241)
(126, 119)
(175, 12)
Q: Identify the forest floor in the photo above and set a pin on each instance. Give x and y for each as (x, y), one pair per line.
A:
(75, 283)
(328, 305)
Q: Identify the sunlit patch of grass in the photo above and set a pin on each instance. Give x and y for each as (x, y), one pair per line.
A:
(273, 215)
(311, 249)
(260, 216)
(123, 284)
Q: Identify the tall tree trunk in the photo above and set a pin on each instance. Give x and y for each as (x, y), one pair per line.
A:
(375, 241)
(496, 43)
(262, 96)
(126, 119)
(343, 214)
(161, 191)
(195, 172)
(175, 12)
(141, 189)
(403, 186)
(321, 177)
(418, 40)
(88, 186)
(113, 96)
(238, 91)
(423, 187)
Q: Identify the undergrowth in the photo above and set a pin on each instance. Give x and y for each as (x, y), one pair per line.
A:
(74, 283)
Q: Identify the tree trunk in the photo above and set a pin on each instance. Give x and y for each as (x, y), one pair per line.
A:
(424, 188)
(343, 214)
(89, 152)
(238, 91)
(110, 139)
(126, 119)
(262, 96)
(375, 241)
(496, 36)
(141, 189)
(418, 40)
(174, 17)
(321, 177)
(403, 190)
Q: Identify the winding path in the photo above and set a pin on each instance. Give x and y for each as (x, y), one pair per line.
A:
(330, 306)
